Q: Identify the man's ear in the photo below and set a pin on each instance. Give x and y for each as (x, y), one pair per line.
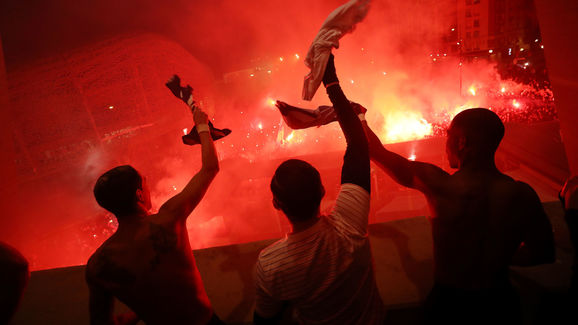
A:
(276, 204)
(462, 141)
(139, 196)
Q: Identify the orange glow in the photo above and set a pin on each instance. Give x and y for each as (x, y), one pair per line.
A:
(270, 102)
(404, 126)
(407, 96)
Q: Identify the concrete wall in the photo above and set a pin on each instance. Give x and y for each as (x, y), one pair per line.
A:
(402, 251)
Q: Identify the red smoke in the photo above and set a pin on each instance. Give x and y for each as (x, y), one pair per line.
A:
(90, 104)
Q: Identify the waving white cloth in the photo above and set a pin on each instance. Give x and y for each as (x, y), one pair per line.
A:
(340, 22)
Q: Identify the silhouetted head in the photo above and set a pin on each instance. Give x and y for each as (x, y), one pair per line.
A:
(297, 190)
(122, 191)
(473, 134)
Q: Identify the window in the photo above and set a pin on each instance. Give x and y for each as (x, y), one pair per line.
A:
(476, 1)
(468, 13)
(476, 23)
(476, 33)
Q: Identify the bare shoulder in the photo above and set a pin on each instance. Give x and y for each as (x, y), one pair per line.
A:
(524, 201)
(166, 218)
(526, 193)
(92, 266)
(429, 178)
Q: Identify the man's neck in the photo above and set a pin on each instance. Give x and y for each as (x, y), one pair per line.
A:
(478, 164)
(132, 220)
(303, 225)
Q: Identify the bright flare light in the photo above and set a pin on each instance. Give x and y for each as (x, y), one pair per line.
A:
(404, 126)
(412, 157)
(515, 103)
(472, 90)
(290, 136)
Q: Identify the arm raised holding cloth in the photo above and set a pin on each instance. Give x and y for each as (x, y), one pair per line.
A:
(186, 95)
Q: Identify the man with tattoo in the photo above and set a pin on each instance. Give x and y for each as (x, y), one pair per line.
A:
(148, 263)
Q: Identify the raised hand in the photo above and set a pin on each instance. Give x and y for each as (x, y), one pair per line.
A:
(330, 75)
(186, 95)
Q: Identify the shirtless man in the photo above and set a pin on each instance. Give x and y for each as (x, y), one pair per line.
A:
(482, 221)
(148, 263)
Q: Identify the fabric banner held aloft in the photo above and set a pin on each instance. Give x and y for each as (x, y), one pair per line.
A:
(340, 22)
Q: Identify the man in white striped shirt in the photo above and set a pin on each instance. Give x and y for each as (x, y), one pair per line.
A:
(324, 267)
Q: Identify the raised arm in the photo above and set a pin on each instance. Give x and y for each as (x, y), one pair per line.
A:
(355, 168)
(181, 205)
(413, 174)
(538, 242)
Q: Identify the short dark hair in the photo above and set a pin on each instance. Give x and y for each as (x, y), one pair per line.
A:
(297, 187)
(482, 128)
(115, 190)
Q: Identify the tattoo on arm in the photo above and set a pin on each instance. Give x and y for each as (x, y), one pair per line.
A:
(163, 241)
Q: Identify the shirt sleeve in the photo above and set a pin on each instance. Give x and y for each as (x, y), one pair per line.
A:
(352, 208)
(266, 305)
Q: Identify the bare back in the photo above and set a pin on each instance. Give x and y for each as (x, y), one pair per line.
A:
(479, 221)
(150, 267)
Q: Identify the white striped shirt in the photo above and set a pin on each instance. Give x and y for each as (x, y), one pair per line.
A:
(325, 271)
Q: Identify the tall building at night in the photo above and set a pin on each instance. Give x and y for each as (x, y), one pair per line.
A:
(504, 27)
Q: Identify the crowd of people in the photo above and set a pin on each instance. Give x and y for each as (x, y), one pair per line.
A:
(482, 221)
